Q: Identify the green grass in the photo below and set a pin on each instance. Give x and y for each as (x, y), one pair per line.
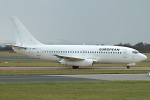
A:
(105, 90)
(11, 60)
(39, 63)
(147, 54)
(140, 64)
(69, 72)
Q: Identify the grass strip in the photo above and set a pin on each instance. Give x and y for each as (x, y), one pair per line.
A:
(69, 72)
(48, 64)
(9, 60)
(103, 90)
(147, 54)
(40, 63)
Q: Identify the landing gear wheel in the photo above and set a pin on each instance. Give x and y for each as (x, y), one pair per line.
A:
(75, 67)
(128, 67)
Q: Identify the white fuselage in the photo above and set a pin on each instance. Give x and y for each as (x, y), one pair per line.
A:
(98, 54)
(75, 55)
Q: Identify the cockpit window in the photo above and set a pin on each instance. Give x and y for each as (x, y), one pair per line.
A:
(135, 52)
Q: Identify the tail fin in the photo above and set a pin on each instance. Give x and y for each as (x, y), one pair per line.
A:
(22, 35)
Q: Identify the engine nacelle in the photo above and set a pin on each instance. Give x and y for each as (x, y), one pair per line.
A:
(86, 62)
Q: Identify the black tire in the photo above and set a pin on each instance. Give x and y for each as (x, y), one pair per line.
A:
(75, 67)
(128, 67)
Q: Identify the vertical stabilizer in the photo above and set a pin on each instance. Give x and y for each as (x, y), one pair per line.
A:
(22, 35)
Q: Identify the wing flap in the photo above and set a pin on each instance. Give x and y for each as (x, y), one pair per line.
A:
(69, 57)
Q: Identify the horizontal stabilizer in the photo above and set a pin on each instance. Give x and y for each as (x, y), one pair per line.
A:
(22, 47)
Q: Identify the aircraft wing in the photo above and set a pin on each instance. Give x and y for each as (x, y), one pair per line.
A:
(68, 57)
(72, 58)
(22, 47)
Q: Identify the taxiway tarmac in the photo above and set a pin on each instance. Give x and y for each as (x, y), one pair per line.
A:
(68, 78)
(70, 68)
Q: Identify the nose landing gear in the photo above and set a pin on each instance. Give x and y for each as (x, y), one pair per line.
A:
(128, 67)
(131, 64)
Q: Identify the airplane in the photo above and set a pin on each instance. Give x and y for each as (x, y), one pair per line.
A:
(72, 55)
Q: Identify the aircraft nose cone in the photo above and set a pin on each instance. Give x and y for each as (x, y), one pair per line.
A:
(140, 57)
(144, 57)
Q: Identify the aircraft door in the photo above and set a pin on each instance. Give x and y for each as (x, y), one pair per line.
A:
(125, 53)
(38, 53)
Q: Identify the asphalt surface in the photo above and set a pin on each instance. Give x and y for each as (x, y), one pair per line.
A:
(15, 57)
(113, 77)
(70, 78)
(41, 78)
(70, 68)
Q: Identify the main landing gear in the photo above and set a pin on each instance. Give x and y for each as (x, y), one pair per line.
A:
(128, 67)
(75, 67)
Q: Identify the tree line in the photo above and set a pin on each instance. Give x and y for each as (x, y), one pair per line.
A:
(6, 48)
(141, 47)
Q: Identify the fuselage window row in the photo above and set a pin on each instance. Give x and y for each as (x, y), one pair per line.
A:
(93, 52)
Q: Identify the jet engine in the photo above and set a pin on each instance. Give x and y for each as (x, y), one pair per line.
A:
(85, 62)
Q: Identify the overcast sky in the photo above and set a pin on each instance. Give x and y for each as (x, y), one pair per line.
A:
(79, 21)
